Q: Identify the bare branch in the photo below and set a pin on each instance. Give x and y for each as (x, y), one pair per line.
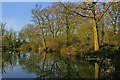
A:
(104, 11)
(112, 17)
(81, 14)
(85, 8)
(75, 12)
(48, 22)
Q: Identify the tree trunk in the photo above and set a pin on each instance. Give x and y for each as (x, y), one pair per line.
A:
(67, 30)
(44, 42)
(103, 33)
(96, 40)
(53, 35)
(43, 60)
(95, 29)
(96, 71)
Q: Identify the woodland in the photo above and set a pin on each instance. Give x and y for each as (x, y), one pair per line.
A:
(71, 29)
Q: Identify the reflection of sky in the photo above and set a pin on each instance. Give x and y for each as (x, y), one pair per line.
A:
(17, 72)
(54, 66)
(18, 14)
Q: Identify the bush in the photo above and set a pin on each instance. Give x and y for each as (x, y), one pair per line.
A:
(33, 46)
(24, 47)
(70, 50)
(52, 45)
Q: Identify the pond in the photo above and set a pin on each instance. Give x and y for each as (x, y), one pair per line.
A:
(45, 65)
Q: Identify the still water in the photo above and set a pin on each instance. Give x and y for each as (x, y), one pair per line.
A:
(44, 65)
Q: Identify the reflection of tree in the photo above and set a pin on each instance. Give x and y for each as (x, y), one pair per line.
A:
(47, 65)
(8, 60)
(50, 65)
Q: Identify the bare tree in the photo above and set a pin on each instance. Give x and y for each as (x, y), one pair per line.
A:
(90, 10)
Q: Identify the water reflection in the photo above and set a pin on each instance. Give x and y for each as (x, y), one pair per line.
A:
(46, 65)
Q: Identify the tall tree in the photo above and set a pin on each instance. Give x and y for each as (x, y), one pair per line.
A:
(3, 28)
(90, 11)
(39, 21)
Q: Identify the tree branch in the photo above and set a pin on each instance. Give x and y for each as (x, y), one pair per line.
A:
(75, 12)
(104, 11)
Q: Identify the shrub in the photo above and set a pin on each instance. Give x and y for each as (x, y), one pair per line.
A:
(70, 50)
(52, 45)
(24, 47)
